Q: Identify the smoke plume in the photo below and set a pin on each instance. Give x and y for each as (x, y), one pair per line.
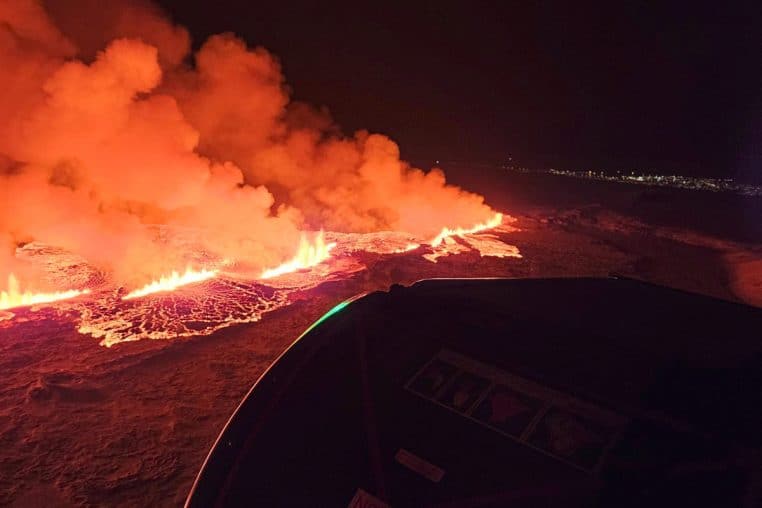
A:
(112, 127)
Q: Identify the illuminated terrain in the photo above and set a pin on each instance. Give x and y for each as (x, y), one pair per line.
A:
(172, 218)
(83, 424)
(200, 301)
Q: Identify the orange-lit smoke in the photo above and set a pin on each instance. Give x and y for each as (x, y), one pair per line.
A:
(108, 128)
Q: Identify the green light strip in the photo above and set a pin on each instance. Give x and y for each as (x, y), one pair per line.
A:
(325, 316)
(330, 313)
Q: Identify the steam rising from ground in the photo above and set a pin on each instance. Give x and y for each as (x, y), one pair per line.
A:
(110, 126)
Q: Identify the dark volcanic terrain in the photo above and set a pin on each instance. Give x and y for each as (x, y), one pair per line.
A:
(85, 425)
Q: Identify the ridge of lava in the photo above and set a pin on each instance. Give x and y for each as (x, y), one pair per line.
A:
(220, 294)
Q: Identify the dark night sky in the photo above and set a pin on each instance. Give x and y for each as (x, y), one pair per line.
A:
(670, 86)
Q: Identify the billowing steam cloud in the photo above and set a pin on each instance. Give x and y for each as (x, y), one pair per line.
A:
(108, 127)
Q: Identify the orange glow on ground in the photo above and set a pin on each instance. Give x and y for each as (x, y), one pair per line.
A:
(307, 256)
(14, 297)
(494, 222)
(171, 282)
(406, 248)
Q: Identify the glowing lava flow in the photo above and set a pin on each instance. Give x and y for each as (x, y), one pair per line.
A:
(307, 256)
(15, 298)
(172, 282)
(406, 248)
(494, 222)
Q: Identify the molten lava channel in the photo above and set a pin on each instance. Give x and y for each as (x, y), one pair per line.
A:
(235, 296)
(307, 256)
(14, 297)
(171, 282)
(494, 222)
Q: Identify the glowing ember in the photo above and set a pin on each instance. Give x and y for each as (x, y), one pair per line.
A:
(172, 282)
(494, 222)
(14, 297)
(406, 248)
(306, 257)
